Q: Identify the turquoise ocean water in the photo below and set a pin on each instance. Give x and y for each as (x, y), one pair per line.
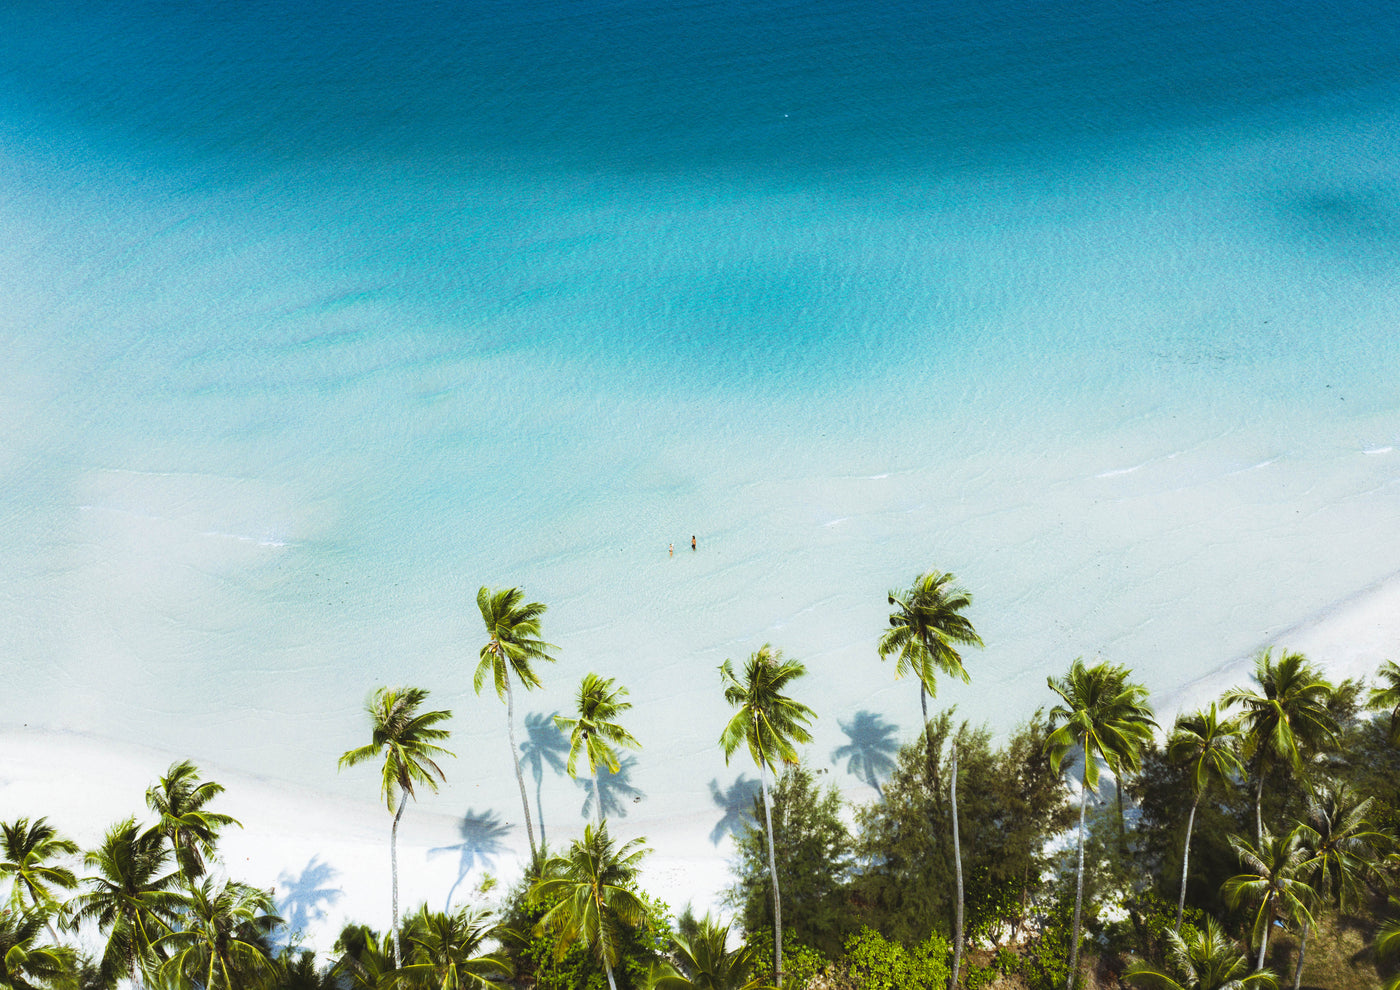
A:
(315, 317)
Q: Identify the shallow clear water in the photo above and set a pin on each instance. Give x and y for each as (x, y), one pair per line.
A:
(316, 317)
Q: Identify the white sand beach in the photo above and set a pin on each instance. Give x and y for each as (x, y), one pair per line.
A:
(326, 857)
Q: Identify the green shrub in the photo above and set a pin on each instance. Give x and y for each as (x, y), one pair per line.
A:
(877, 964)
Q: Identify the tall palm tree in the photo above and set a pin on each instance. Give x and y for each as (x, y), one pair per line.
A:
(1104, 718)
(1206, 960)
(1284, 719)
(223, 941)
(513, 644)
(29, 850)
(1340, 848)
(448, 952)
(28, 964)
(1271, 881)
(704, 961)
(179, 799)
(1387, 697)
(407, 741)
(591, 893)
(769, 723)
(924, 627)
(130, 898)
(595, 730)
(1206, 744)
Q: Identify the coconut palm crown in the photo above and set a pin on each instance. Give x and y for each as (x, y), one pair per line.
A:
(1206, 959)
(926, 624)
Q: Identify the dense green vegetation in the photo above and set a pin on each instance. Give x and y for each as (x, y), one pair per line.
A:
(1248, 844)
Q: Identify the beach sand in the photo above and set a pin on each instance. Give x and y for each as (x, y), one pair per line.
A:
(327, 857)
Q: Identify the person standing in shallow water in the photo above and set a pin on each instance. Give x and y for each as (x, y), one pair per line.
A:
(692, 542)
(671, 549)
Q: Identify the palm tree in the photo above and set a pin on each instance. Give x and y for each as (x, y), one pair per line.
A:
(513, 644)
(407, 741)
(25, 964)
(366, 961)
(1206, 960)
(1387, 698)
(29, 850)
(591, 893)
(1205, 743)
(927, 621)
(179, 800)
(768, 722)
(447, 952)
(1271, 881)
(1282, 720)
(1340, 848)
(223, 939)
(1106, 719)
(705, 962)
(130, 898)
(595, 731)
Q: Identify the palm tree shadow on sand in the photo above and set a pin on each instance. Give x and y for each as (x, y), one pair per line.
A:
(544, 746)
(737, 803)
(615, 790)
(304, 900)
(483, 839)
(870, 753)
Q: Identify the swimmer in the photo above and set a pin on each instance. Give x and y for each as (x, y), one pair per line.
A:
(671, 549)
(692, 543)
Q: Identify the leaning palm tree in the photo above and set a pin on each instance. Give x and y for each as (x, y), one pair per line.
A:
(1206, 960)
(1387, 698)
(924, 627)
(513, 644)
(591, 895)
(1284, 719)
(130, 898)
(407, 741)
(223, 941)
(448, 952)
(29, 850)
(1206, 744)
(1103, 718)
(179, 799)
(705, 962)
(28, 964)
(1271, 882)
(1340, 849)
(769, 723)
(595, 730)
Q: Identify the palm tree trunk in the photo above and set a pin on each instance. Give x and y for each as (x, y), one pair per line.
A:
(515, 760)
(1185, 858)
(773, 875)
(1259, 804)
(1078, 887)
(957, 862)
(1302, 952)
(612, 984)
(597, 798)
(1264, 942)
(394, 873)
